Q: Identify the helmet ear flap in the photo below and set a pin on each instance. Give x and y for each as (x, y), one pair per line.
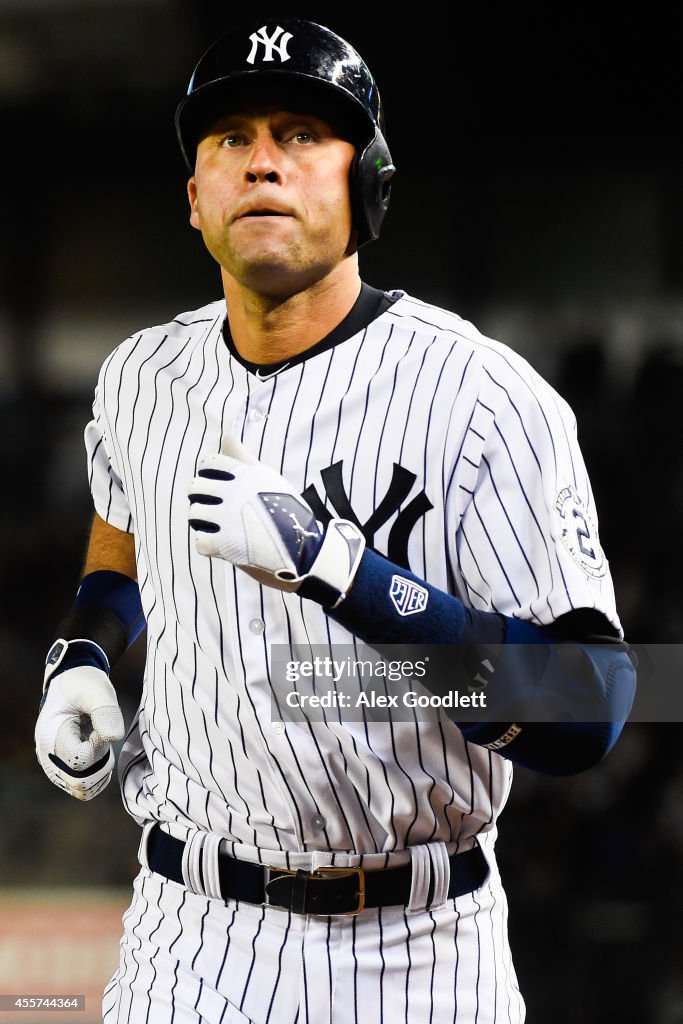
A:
(371, 174)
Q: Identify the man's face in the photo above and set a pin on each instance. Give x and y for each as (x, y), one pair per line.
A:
(270, 194)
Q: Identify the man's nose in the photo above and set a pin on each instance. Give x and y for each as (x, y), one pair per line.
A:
(264, 163)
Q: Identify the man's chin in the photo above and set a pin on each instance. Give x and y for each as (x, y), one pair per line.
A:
(278, 278)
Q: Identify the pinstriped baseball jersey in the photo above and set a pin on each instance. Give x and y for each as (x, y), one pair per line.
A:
(459, 461)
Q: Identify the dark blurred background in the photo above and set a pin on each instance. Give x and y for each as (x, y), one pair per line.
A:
(539, 194)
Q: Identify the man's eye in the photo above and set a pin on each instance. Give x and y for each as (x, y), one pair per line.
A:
(231, 141)
(303, 138)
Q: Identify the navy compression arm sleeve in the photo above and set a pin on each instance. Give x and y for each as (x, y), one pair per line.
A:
(582, 691)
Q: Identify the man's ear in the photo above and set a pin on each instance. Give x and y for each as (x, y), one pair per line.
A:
(192, 197)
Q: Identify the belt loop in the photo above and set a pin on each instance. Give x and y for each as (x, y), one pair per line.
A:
(431, 875)
(319, 859)
(211, 854)
(200, 865)
(144, 838)
(440, 871)
(420, 878)
(191, 863)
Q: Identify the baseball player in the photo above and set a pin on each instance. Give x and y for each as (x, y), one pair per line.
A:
(312, 463)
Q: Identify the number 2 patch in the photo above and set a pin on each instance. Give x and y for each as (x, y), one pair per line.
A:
(579, 533)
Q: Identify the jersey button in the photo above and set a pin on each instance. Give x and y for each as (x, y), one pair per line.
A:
(318, 822)
(277, 727)
(257, 626)
(255, 415)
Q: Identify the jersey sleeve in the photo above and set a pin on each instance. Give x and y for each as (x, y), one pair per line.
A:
(106, 487)
(527, 544)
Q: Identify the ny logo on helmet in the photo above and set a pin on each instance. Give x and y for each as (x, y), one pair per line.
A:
(270, 44)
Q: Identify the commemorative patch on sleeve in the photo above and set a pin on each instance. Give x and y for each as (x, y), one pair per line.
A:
(579, 533)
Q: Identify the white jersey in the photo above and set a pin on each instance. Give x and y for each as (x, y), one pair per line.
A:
(460, 462)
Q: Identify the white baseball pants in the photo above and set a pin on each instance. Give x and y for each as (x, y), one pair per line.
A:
(187, 959)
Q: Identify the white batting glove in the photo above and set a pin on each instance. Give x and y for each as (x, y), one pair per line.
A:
(246, 513)
(78, 720)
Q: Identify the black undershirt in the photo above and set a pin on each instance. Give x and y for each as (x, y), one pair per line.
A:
(370, 304)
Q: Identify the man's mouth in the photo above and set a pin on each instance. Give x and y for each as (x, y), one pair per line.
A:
(264, 213)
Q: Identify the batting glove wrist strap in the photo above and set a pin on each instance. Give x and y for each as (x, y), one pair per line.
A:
(335, 566)
(66, 654)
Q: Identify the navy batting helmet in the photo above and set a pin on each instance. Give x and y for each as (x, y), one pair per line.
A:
(292, 57)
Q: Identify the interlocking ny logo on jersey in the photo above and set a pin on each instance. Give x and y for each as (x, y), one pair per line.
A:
(401, 484)
(270, 44)
(407, 597)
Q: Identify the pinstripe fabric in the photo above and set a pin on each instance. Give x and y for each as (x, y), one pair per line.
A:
(418, 395)
(188, 959)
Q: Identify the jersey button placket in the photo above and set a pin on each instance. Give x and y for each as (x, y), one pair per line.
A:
(258, 403)
(255, 420)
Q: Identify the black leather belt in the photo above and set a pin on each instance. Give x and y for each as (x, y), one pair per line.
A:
(326, 891)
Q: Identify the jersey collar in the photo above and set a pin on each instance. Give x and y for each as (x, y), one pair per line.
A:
(369, 305)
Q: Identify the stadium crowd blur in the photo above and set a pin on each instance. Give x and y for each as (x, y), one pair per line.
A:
(592, 864)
